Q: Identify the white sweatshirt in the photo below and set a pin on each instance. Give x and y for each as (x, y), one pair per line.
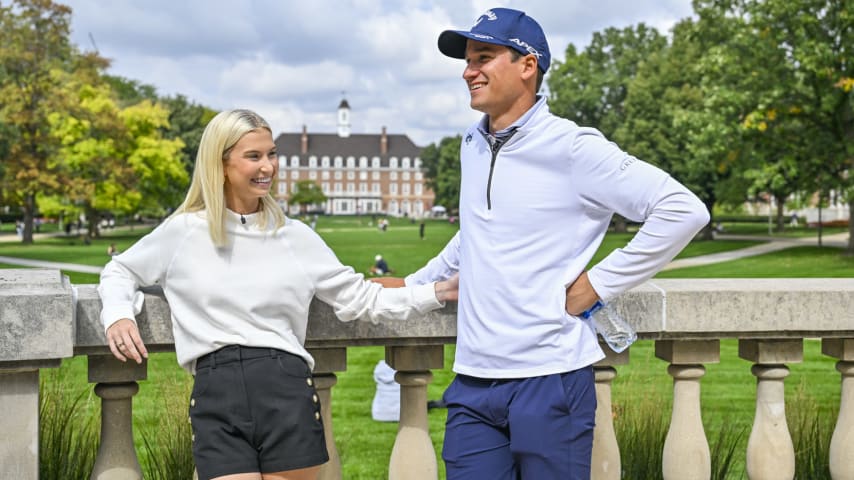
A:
(531, 219)
(255, 292)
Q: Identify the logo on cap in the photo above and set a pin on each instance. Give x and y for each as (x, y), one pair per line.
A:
(489, 15)
(523, 44)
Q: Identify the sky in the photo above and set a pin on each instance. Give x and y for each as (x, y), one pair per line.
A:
(293, 61)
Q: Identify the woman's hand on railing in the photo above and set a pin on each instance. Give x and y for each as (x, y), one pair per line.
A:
(125, 342)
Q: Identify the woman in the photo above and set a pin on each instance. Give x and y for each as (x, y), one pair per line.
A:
(239, 277)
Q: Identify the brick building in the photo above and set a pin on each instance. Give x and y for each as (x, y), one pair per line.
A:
(359, 173)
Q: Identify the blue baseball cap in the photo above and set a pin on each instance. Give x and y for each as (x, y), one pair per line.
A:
(501, 26)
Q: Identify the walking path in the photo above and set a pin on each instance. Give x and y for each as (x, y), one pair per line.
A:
(773, 244)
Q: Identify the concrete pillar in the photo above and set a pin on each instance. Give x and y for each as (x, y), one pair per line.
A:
(686, 450)
(36, 331)
(413, 456)
(327, 361)
(605, 463)
(770, 452)
(19, 454)
(842, 442)
(116, 384)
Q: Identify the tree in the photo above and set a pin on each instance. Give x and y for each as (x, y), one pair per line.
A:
(590, 87)
(442, 171)
(813, 40)
(307, 193)
(34, 50)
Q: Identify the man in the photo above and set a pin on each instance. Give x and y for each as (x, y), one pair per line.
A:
(537, 196)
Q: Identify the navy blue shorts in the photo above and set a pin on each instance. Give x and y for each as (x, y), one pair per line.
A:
(254, 410)
(508, 429)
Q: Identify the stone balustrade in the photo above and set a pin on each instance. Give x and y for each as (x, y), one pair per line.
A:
(39, 326)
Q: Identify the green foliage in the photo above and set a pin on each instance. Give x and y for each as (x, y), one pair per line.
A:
(590, 87)
(68, 429)
(167, 446)
(442, 171)
(35, 58)
(308, 192)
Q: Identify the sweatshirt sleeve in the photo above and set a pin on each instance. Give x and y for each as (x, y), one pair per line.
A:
(348, 293)
(617, 182)
(143, 264)
(440, 267)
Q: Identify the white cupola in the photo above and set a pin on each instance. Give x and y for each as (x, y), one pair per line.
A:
(344, 119)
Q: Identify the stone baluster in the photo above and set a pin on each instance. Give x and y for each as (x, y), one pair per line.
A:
(686, 450)
(327, 361)
(770, 452)
(413, 456)
(116, 384)
(605, 464)
(842, 442)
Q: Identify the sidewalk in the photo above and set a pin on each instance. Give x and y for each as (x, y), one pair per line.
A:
(774, 244)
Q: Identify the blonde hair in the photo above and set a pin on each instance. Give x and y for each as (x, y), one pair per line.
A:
(207, 190)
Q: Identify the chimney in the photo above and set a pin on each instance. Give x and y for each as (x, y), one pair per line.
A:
(304, 140)
(383, 143)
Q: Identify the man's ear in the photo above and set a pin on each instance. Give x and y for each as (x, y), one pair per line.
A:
(529, 70)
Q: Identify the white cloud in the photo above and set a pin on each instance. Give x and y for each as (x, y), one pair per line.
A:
(265, 79)
(290, 60)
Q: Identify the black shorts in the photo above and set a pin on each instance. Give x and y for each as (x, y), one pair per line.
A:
(254, 410)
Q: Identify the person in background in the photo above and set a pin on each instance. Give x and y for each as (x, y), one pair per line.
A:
(239, 277)
(537, 194)
(380, 266)
(112, 250)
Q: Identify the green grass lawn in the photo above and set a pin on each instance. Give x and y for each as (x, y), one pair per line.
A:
(728, 388)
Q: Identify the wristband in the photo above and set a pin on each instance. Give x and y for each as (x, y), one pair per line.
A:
(590, 311)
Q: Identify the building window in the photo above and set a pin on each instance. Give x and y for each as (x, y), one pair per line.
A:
(375, 175)
(375, 188)
(405, 189)
(295, 161)
(312, 174)
(375, 162)
(325, 187)
(351, 162)
(324, 162)
(419, 176)
(363, 188)
(294, 174)
(351, 188)
(405, 175)
(363, 162)
(283, 188)
(337, 174)
(392, 162)
(339, 162)
(392, 188)
(363, 175)
(337, 187)
(324, 174)
(351, 175)
(392, 176)
(417, 163)
(405, 162)
(419, 189)
(283, 162)
(283, 174)
(312, 161)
